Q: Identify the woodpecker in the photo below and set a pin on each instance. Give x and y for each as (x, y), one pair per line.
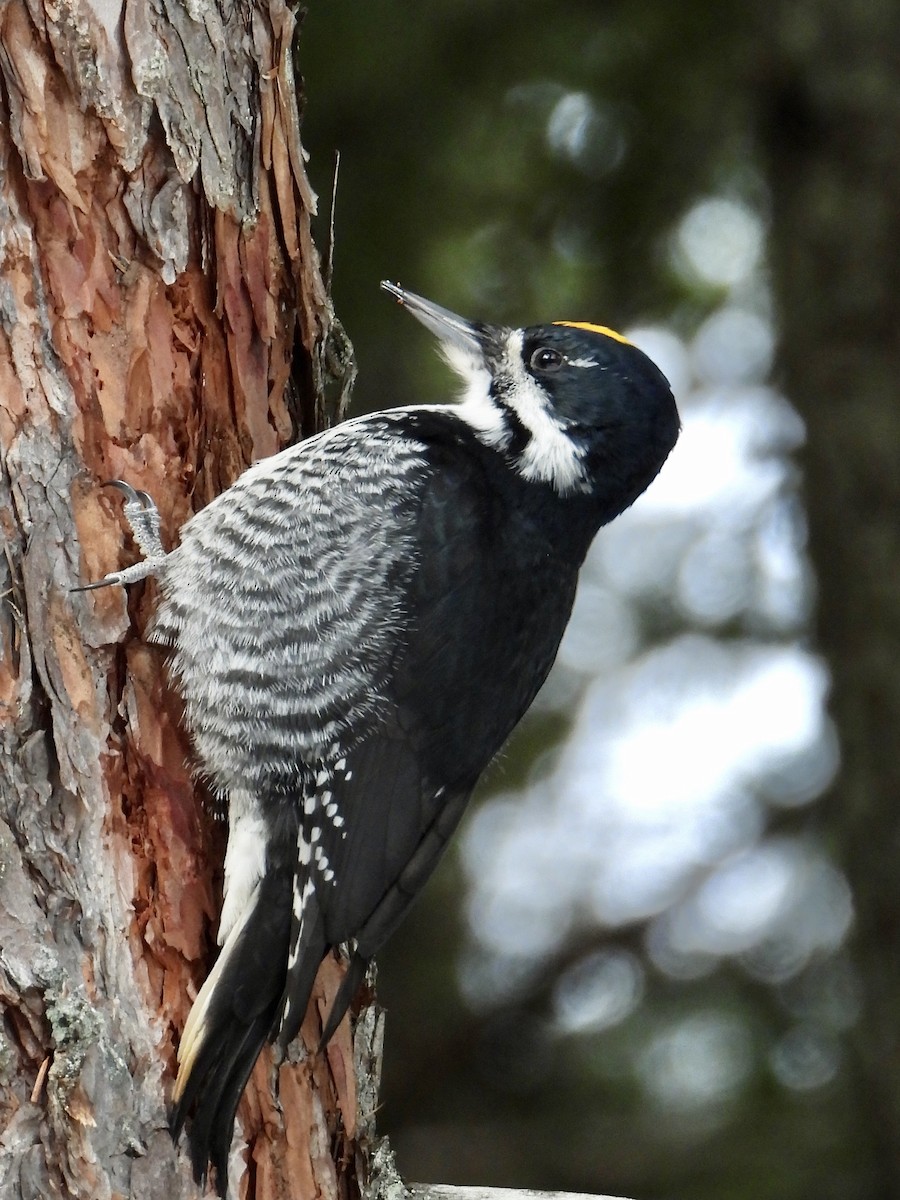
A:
(356, 626)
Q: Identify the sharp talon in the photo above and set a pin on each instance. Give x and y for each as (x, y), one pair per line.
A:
(133, 574)
(92, 587)
(131, 494)
(142, 516)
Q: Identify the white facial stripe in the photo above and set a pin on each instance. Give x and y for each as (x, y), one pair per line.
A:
(550, 456)
(483, 416)
(582, 362)
(476, 407)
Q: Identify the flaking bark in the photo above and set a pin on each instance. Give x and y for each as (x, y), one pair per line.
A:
(158, 288)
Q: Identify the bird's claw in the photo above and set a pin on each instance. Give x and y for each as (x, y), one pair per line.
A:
(132, 495)
(142, 516)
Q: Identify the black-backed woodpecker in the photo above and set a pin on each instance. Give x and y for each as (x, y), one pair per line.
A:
(356, 626)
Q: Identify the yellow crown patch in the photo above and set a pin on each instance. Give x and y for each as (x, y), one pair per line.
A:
(611, 333)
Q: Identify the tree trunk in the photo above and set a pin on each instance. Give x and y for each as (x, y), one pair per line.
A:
(832, 137)
(158, 286)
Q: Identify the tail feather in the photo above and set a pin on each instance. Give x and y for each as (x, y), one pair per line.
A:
(307, 949)
(212, 1124)
(228, 1026)
(258, 989)
(356, 973)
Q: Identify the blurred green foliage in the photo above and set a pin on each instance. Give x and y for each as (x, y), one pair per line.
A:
(448, 181)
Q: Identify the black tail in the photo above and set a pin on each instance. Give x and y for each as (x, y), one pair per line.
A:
(356, 973)
(258, 989)
(230, 1021)
(308, 945)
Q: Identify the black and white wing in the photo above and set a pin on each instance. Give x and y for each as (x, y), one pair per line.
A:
(353, 644)
(280, 607)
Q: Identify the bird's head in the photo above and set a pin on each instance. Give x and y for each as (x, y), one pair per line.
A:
(574, 406)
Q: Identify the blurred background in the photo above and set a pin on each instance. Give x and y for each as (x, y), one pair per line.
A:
(662, 958)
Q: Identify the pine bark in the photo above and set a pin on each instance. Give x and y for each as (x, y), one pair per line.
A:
(158, 289)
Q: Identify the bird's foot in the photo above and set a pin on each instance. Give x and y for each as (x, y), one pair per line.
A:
(142, 515)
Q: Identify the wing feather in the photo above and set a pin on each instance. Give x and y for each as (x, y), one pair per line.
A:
(354, 643)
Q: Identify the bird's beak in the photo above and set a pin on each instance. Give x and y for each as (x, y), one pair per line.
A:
(454, 332)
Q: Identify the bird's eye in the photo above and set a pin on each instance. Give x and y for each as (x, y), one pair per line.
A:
(545, 359)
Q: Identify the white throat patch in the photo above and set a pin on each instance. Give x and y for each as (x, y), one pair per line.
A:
(550, 455)
(476, 407)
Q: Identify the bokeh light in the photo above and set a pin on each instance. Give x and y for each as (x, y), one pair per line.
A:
(695, 711)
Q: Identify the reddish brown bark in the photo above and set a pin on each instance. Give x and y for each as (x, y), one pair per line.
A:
(157, 281)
